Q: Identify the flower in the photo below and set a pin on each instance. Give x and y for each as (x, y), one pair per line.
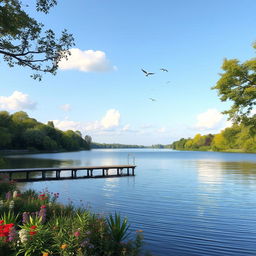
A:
(77, 234)
(42, 197)
(12, 234)
(8, 195)
(64, 246)
(11, 205)
(25, 217)
(5, 230)
(139, 231)
(15, 194)
(45, 254)
(23, 234)
(32, 230)
(42, 213)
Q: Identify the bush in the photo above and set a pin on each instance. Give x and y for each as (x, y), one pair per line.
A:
(34, 224)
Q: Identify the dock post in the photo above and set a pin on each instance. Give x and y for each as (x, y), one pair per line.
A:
(57, 174)
(73, 174)
(91, 172)
(117, 171)
(128, 171)
(103, 172)
(43, 175)
(27, 175)
(132, 171)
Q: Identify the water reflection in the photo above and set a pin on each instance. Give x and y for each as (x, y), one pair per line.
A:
(209, 172)
(212, 172)
(19, 162)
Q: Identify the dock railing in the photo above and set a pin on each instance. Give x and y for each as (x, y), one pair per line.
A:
(81, 172)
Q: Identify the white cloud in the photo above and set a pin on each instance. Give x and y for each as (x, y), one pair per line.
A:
(111, 119)
(210, 119)
(68, 125)
(87, 61)
(17, 101)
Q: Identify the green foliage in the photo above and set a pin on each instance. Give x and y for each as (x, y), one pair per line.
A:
(65, 231)
(238, 138)
(199, 142)
(118, 229)
(19, 131)
(24, 42)
(5, 185)
(238, 85)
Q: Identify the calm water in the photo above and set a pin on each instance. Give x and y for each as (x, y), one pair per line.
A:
(187, 203)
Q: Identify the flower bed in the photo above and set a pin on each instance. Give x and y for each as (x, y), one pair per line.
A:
(35, 224)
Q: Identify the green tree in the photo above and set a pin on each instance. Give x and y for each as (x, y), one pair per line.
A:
(88, 140)
(238, 85)
(23, 41)
(230, 134)
(5, 119)
(51, 124)
(5, 138)
(219, 142)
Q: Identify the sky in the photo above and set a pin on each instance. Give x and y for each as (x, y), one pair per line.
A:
(101, 89)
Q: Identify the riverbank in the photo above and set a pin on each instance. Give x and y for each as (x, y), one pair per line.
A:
(35, 224)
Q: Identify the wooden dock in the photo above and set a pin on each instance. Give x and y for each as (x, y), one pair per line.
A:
(83, 172)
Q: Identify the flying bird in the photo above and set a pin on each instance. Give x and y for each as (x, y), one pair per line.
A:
(152, 99)
(147, 73)
(164, 69)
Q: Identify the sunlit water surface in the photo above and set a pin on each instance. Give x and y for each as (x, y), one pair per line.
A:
(187, 203)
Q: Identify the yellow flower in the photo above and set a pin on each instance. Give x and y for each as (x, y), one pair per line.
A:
(64, 246)
(45, 254)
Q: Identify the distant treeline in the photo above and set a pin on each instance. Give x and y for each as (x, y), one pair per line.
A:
(238, 138)
(115, 145)
(20, 132)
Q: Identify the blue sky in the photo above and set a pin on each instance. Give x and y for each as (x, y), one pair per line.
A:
(102, 91)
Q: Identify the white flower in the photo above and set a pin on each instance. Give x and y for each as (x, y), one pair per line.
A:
(11, 205)
(1, 203)
(15, 193)
(23, 234)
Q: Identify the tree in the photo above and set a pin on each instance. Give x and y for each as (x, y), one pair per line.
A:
(51, 124)
(88, 141)
(219, 142)
(238, 85)
(23, 41)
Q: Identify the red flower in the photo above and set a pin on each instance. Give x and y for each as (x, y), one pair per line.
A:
(5, 229)
(33, 227)
(43, 206)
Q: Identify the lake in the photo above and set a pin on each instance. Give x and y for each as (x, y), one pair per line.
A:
(187, 203)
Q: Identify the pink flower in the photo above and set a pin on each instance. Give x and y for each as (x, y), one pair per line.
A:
(77, 234)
